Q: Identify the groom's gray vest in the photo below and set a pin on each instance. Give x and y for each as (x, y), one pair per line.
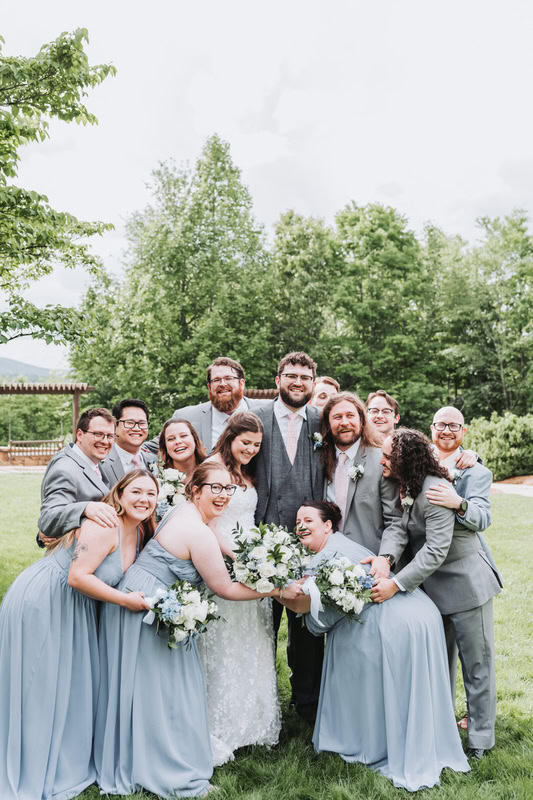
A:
(291, 484)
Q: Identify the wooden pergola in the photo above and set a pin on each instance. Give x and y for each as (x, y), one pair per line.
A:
(75, 389)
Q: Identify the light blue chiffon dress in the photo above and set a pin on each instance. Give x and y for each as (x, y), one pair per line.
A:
(49, 676)
(152, 726)
(385, 692)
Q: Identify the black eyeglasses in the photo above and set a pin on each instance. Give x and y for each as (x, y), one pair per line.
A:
(375, 411)
(134, 423)
(291, 376)
(99, 436)
(453, 426)
(217, 488)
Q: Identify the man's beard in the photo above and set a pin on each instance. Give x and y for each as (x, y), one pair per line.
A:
(229, 403)
(343, 443)
(291, 401)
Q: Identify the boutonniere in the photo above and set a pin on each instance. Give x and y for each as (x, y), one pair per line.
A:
(456, 474)
(407, 501)
(317, 440)
(356, 471)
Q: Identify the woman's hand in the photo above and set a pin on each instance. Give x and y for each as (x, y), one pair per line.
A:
(291, 592)
(134, 601)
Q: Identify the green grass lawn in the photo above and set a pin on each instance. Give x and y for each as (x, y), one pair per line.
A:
(293, 771)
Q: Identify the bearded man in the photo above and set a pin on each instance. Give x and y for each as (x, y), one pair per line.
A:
(288, 471)
(225, 385)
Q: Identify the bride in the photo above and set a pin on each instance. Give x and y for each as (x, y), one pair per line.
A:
(239, 654)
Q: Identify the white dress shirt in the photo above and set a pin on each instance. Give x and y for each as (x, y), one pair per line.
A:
(127, 458)
(351, 452)
(220, 420)
(282, 413)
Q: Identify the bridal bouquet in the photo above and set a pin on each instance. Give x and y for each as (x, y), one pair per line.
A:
(343, 585)
(171, 488)
(183, 611)
(267, 557)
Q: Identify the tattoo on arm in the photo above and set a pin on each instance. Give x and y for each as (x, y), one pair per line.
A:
(80, 548)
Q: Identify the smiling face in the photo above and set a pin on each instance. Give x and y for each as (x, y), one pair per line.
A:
(179, 443)
(130, 439)
(295, 385)
(245, 446)
(139, 498)
(447, 440)
(209, 504)
(345, 424)
(226, 389)
(382, 414)
(97, 441)
(310, 528)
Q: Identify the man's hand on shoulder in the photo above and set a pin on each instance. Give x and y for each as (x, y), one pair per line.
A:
(102, 513)
(444, 495)
(467, 459)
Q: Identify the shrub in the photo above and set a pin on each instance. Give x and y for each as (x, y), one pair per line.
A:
(505, 443)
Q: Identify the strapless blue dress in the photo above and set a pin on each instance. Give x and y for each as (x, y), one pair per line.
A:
(152, 725)
(49, 676)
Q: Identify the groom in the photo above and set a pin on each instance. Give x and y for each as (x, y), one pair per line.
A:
(288, 472)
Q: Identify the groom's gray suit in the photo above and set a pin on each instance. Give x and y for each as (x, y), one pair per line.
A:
(113, 467)
(282, 487)
(68, 485)
(372, 501)
(453, 568)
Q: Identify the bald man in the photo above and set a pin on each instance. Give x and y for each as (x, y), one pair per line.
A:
(470, 628)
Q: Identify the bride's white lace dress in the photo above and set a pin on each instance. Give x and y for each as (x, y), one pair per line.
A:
(239, 659)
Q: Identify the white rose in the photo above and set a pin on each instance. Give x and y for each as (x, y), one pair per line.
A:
(158, 594)
(167, 490)
(282, 570)
(172, 474)
(348, 602)
(281, 537)
(259, 553)
(252, 536)
(178, 499)
(201, 611)
(194, 597)
(180, 635)
(268, 540)
(335, 593)
(358, 605)
(263, 585)
(177, 618)
(267, 569)
(358, 571)
(189, 624)
(188, 613)
(344, 562)
(336, 578)
(286, 553)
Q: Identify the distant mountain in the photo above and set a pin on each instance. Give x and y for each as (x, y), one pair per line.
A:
(10, 369)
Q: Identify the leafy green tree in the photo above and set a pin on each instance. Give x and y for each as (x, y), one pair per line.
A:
(27, 417)
(33, 236)
(192, 290)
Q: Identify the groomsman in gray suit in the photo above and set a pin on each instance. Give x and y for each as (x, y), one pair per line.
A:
(73, 484)
(452, 567)
(225, 384)
(353, 473)
(132, 418)
(288, 471)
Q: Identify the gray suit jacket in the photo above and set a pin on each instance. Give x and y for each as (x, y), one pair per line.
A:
(448, 560)
(112, 468)
(201, 418)
(263, 460)
(68, 485)
(372, 501)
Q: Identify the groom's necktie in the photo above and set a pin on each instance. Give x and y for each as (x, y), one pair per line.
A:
(136, 461)
(341, 485)
(292, 436)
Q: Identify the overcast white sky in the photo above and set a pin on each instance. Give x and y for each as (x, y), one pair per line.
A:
(425, 105)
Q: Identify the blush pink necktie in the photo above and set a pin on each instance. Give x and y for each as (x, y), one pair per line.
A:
(136, 460)
(292, 437)
(341, 485)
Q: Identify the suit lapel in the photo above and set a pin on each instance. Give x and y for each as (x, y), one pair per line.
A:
(89, 473)
(206, 426)
(353, 484)
(269, 420)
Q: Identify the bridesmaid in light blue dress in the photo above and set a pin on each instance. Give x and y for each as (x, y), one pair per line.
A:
(49, 666)
(385, 692)
(152, 726)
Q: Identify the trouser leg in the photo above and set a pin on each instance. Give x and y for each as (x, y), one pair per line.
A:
(451, 648)
(305, 654)
(474, 634)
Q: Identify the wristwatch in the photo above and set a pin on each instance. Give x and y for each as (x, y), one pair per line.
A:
(463, 507)
(389, 558)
